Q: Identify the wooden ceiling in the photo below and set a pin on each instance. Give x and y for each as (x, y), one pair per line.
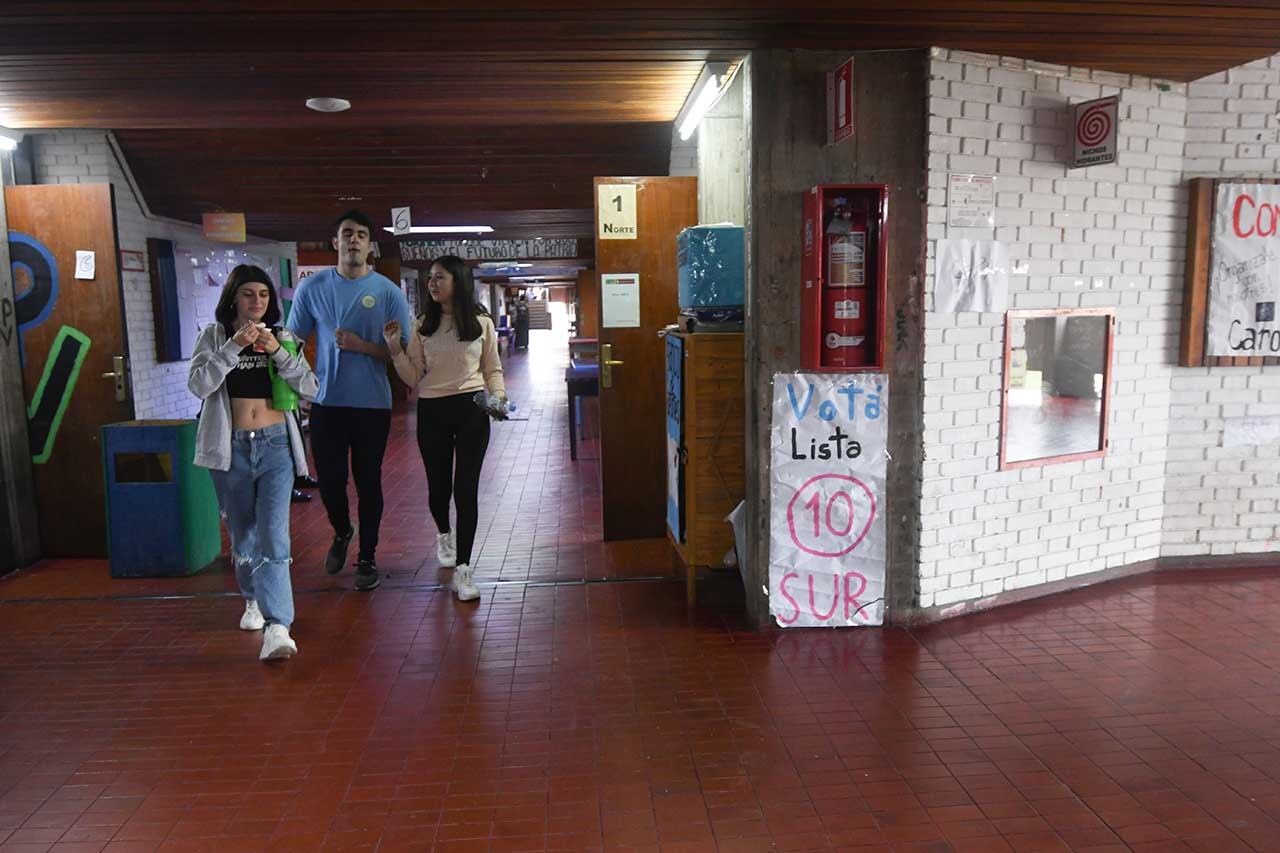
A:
(491, 108)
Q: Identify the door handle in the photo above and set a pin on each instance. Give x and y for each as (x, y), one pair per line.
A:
(118, 374)
(607, 361)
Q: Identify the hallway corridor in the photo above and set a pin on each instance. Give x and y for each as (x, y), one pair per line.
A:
(556, 715)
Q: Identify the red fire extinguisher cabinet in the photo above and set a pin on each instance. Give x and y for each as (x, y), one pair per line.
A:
(843, 266)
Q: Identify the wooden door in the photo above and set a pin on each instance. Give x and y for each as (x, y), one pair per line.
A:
(633, 436)
(71, 332)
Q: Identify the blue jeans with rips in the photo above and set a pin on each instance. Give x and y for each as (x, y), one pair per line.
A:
(254, 498)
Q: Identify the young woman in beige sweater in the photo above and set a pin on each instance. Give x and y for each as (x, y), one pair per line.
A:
(452, 354)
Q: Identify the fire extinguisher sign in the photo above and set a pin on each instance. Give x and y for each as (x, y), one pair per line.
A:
(826, 499)
(840, 102)
(1094, 125)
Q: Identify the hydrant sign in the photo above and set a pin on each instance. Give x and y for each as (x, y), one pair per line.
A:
(826, 499)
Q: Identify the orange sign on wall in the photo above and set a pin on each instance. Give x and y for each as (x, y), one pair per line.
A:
(224, 227)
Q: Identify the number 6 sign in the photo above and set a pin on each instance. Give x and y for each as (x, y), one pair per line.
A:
(400, 221)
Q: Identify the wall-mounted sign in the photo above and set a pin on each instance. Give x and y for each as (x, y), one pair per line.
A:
(85, 264)
(401, 222)
(1094, 125)
(224, 227)
(488, 250)
(971, 201)
(840, 102)
(132, 261)
(620, 300)
(1244, 278)
(616, 211)
(826, 499)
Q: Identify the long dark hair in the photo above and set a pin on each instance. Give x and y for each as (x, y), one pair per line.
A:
(466, 311)
(225, 313)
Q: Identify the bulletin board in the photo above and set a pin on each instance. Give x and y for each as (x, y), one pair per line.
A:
(187, 279)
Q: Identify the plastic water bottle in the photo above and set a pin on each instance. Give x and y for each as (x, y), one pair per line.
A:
(283, 397)
(493, 405)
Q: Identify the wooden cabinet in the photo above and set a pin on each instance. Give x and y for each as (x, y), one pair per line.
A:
(706, 450)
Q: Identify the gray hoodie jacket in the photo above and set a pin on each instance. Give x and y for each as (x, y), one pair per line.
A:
(213, 358)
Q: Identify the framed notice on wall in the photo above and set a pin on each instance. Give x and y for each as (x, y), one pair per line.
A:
(1232, 284)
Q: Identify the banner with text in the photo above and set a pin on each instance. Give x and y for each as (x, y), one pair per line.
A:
(826, 499)
(1244, 281)
(488, 250)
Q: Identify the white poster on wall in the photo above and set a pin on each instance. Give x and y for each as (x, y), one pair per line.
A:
(971, 275)
(971, 201)
(620, 300)
(826, 499)
(1244, 279)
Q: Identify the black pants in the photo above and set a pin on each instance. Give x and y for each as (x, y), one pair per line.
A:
(336, 433)
(449, 427)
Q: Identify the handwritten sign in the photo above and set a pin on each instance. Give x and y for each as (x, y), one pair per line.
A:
(1244, 280)
(826, 499)
(85, 264)
(401, 221)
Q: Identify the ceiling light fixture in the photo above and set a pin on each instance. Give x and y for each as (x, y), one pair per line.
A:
(444, 229)
(328, 105)
(706, 92)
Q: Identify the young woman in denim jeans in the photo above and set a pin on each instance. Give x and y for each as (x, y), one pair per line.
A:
(252, 450)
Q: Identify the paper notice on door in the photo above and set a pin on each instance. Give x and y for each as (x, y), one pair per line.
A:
(620, 300)
(84, 264)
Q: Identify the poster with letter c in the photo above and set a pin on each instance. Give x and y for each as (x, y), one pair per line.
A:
(1244, 279)
(827, 499)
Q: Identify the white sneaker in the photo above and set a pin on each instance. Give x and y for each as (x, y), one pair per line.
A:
(462, 585)
(446, 549)
(277, 644)
(252, 619)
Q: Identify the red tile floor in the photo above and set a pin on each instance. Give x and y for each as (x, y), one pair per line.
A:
(557, 715)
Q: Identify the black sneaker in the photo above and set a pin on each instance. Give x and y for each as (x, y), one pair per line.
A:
(367, 576)
(337, 556)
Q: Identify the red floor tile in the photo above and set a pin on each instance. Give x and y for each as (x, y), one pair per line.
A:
(1138, 715)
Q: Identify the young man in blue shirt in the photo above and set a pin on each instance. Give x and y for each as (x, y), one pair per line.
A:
(347, 308)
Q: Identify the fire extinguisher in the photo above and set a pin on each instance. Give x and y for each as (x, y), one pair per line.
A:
(844, 297)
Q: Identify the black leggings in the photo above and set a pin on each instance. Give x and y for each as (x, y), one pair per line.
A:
(449, 425)
(339, 433)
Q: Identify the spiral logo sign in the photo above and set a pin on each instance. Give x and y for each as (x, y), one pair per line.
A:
(1094, 126)
(1095, 132)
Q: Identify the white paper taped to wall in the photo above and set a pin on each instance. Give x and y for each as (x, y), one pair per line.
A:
(1250, 432)
(972, 275)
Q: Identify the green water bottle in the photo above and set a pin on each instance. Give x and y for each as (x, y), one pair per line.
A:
(283, 397)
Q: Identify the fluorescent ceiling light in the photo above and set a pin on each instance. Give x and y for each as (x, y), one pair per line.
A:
(444, 229)
(711, 84)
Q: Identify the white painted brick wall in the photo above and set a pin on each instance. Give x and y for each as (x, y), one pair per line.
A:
(85, 156)
(1229, 502)
(1104, 236)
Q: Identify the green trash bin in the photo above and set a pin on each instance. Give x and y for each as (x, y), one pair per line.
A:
(162, 513)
